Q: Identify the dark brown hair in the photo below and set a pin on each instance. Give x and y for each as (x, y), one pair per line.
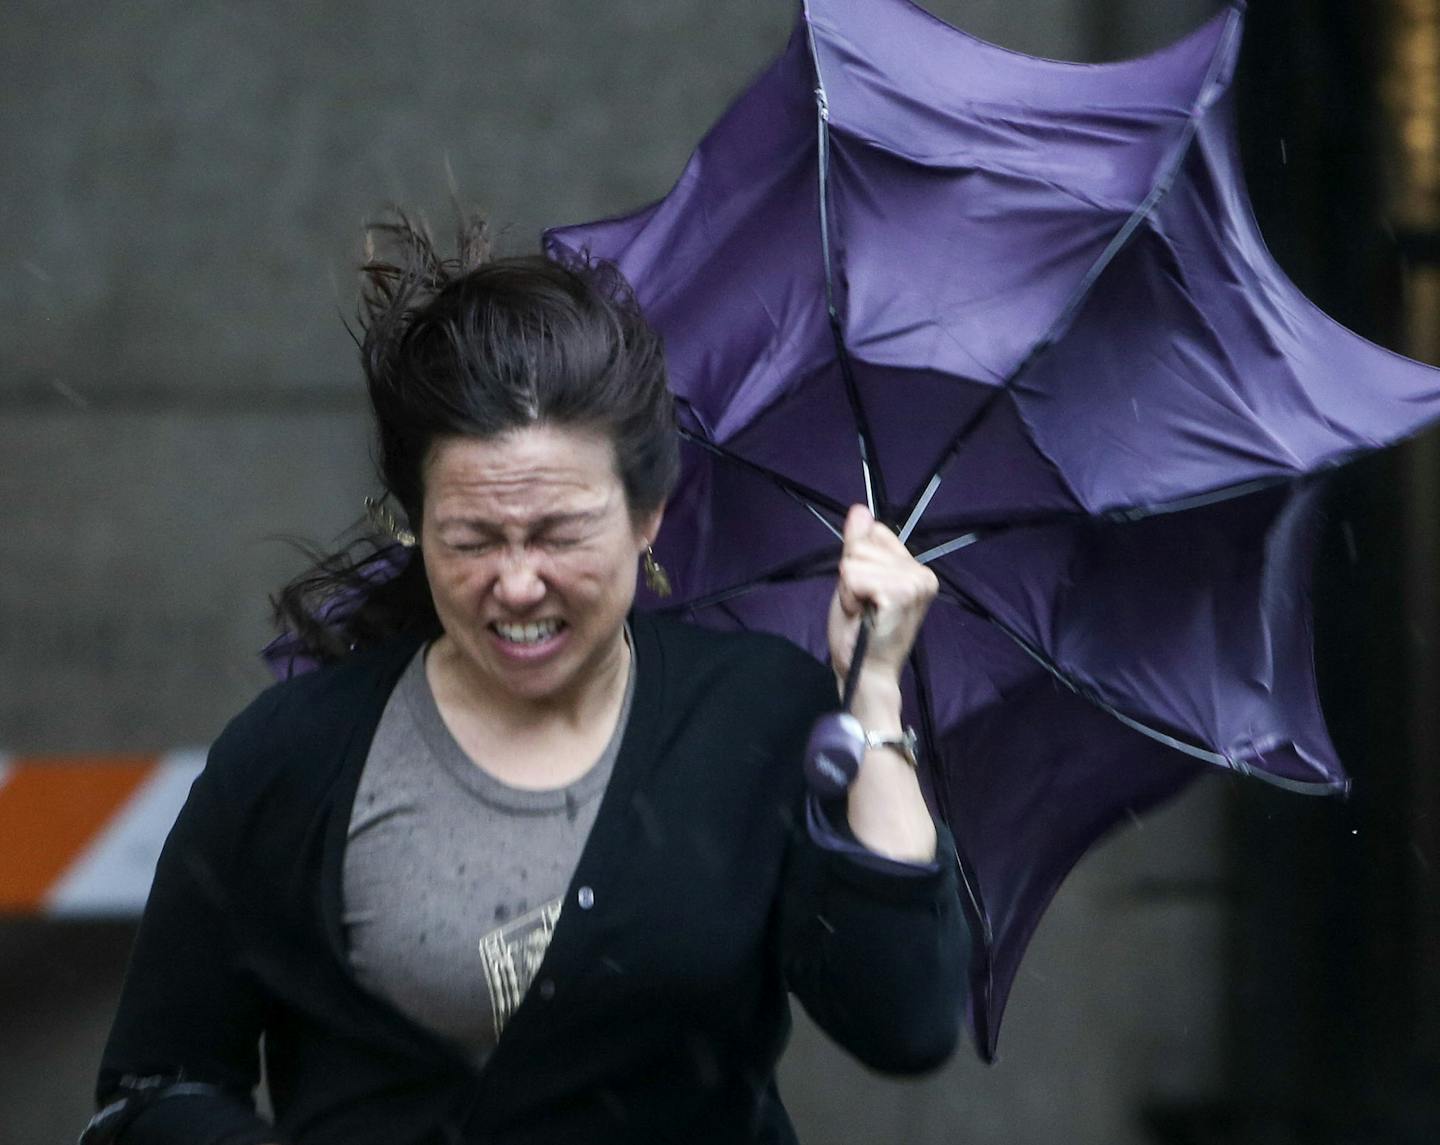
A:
(475, 346)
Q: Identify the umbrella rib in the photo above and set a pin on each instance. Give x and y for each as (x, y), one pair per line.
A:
(969, 880)
(942, 778)
(931, 488)
(1210, 89)
(809, 498)
(1118, 516)
(1198, 500)
(1125, 516)
(961, 599)
(802, 568)
(838, 535)
(950, 546)
(869, 458)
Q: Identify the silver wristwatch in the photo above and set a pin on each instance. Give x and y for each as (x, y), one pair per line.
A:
(905, 742)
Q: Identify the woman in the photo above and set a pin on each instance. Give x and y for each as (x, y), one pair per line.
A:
(520, 864)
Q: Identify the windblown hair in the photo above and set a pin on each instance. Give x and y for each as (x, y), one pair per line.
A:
(475, 346)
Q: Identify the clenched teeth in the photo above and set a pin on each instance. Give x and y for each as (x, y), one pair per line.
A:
(527, 633)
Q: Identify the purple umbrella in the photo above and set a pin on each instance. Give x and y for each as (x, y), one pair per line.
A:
(1021, 308)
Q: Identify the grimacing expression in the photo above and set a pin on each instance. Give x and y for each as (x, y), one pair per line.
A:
(532, 553)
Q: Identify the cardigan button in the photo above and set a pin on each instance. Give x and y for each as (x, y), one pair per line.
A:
(547, 989)
(586, 898)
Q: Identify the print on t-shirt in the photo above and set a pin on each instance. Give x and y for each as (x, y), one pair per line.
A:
(512, 954)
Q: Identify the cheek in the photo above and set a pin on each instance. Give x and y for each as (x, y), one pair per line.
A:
(594, 581)
(454, 582)
(585, 580)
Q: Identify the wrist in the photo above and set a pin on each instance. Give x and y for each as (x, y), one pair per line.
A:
(900, 745)
(876, 702)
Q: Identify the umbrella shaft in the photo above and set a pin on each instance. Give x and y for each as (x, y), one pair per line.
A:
(862, 642)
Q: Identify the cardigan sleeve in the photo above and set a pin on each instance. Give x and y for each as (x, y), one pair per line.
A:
(879, 959)
(183, 1058)
(822, 822)
(878, 952)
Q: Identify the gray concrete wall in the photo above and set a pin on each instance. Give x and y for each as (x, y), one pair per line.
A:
(180, 193)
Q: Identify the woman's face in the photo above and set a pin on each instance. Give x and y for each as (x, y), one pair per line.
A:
(531, 554)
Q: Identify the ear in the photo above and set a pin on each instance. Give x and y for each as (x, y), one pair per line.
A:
(649, 527)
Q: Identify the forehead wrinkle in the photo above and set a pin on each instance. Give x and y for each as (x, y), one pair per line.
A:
(522, 476)
(510, 465)
(474, 473)
(544, 521)
(530, 499)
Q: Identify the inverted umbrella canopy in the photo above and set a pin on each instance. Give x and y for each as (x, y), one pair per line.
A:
(1022, 308)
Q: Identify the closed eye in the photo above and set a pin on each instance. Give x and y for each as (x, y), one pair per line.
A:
(553, 543)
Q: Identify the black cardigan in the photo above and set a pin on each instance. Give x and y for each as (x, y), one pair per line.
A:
(659, 1011)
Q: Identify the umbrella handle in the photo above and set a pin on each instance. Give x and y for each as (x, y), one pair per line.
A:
(837, 741)
(833, 754)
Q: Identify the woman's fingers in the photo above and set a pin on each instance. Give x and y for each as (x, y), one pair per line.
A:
(877, 570)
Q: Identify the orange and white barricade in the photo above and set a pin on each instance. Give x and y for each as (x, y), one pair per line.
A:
(79, 837)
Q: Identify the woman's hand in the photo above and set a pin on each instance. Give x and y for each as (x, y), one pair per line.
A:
(877, 570)
(884, 806)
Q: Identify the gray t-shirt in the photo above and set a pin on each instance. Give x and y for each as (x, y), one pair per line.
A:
(453, 880)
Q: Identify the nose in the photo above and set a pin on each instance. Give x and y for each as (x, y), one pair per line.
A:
(519, 584)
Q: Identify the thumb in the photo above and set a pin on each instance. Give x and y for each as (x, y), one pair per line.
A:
(857, 523)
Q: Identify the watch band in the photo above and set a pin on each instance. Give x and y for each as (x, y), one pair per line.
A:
(905, 742)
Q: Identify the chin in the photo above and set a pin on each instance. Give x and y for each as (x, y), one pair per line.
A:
(537, 683)
(534, 688)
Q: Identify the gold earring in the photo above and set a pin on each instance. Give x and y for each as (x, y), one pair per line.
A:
(382, 519)
(657, 580)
